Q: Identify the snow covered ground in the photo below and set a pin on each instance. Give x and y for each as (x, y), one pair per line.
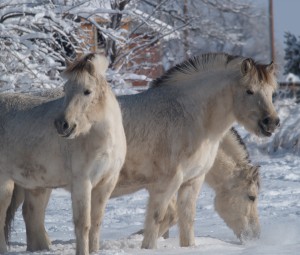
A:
(279, 208)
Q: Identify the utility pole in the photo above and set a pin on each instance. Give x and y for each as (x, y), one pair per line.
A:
(185, 30)
(271, 32)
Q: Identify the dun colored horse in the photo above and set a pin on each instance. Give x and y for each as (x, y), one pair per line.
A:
(233, 178)
(35, 153)
(173, 131)
(236, 184)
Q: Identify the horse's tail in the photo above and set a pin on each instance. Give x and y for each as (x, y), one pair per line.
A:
(16, 200)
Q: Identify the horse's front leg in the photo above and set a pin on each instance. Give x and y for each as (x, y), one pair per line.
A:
(81, 204)
(6, 190)
(186, 208)
(100, 195)
(159, 199)
(170, 219)
(34, 206)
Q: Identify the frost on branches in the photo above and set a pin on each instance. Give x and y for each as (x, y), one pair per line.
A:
(37, 36)
(35, 39)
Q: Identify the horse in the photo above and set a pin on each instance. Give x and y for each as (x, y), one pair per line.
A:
(182, 118)
(233, 178)
(76, 142)
(174, 128)
(236, 183)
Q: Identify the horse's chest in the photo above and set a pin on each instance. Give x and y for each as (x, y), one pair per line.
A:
(202, 160)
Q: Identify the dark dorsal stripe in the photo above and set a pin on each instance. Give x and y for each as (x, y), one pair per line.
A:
(241, 142)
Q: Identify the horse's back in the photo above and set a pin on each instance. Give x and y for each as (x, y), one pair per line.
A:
(11, 102)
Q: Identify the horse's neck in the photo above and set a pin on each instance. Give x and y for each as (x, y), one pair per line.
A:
(213, 102)
(221, 172)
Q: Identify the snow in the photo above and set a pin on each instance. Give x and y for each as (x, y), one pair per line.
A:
(292, 78)
(279, 209)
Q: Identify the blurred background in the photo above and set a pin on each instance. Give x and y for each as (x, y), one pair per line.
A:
(142, 38)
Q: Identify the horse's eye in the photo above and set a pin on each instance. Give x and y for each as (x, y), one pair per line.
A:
(87, 92)
(249, 92)
(252, 198)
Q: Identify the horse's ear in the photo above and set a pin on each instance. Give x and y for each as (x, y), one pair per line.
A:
(246, 66)
(270, 67)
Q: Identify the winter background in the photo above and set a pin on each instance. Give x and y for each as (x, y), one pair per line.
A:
(278, 205)
(37, 36)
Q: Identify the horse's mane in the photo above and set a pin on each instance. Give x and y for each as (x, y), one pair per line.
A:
(210, 61)
(197, 64)
(91, 63)
(241, 142)
(251, 172)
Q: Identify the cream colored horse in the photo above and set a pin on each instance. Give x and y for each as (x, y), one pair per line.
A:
(33, 155)
(173, 131)
(232, 177)
(236, 184)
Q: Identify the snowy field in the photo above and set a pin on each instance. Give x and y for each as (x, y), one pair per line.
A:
(279, 208)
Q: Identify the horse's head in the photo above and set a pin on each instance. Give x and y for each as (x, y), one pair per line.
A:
(237, 203)
(253, 107)
(84, 96)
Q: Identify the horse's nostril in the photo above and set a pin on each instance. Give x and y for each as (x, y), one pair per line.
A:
(277, 122)
(266, 121)
(252, 198)
(65, 125)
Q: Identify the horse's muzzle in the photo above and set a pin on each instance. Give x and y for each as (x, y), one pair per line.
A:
(250, 234)
(268, 125)
(63, 128)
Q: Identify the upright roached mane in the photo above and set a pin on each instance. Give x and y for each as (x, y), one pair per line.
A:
(212, 62)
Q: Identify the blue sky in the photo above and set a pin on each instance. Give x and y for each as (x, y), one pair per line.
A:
(286, 18)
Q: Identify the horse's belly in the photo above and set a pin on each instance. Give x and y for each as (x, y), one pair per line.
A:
(136, 173)
(36, 175)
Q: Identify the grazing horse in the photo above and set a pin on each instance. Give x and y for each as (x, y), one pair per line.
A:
(236, 184)
(36, 154)
(173, 131)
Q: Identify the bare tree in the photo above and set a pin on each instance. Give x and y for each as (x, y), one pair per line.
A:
(38, 35)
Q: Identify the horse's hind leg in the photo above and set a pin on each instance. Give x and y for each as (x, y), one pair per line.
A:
(100, 195)
(6, 190)
(16, 200)
(34, 206)
(159, 199)
(186, 204)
